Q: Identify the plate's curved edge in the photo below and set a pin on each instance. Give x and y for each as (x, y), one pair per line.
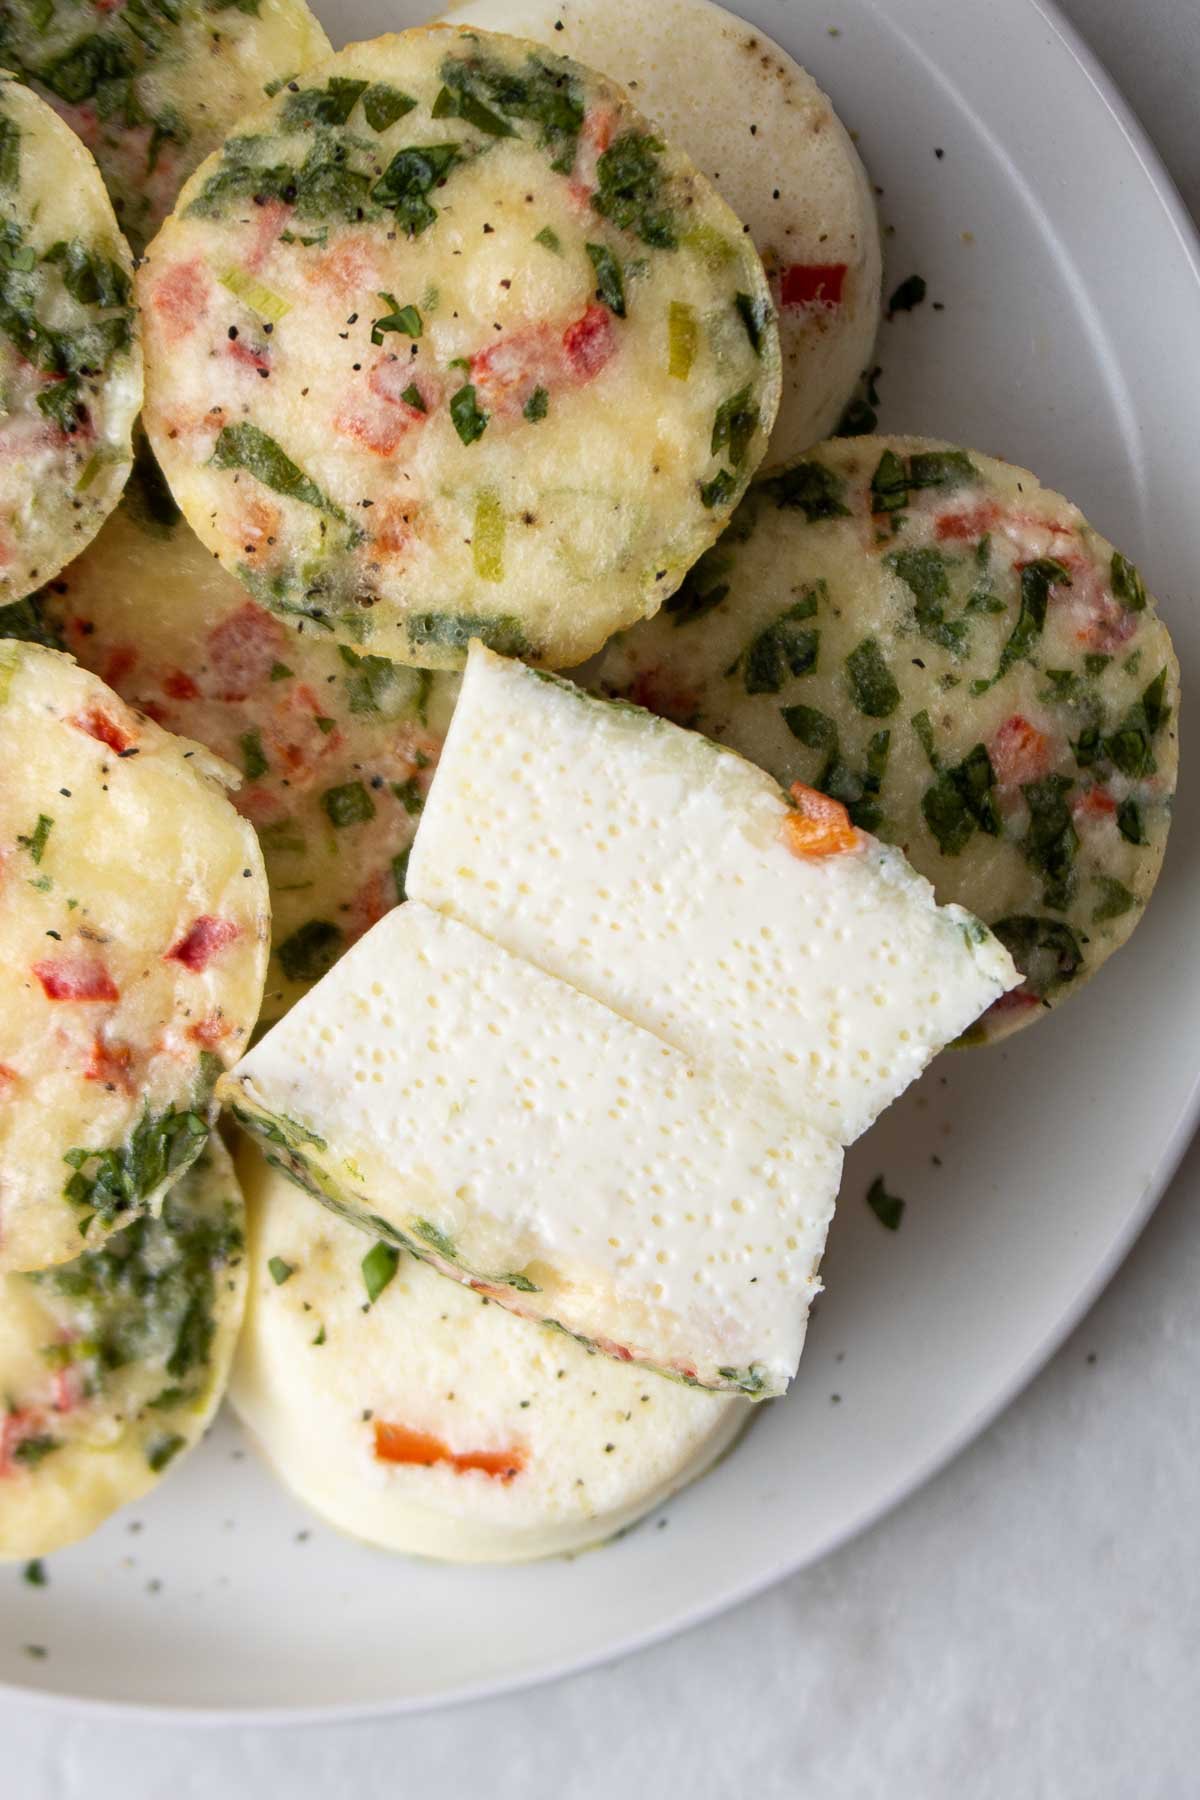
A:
(1188, 234)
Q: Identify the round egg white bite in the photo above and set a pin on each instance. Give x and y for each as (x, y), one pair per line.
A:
(948, 648)
(760, 128)
(336, 748)
(152, 88)
(133, 946)
(416, 1414)
(447, 343)
(70, 355)
(113, 1365)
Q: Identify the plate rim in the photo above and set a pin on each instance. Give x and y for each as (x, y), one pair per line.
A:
(1187, 233)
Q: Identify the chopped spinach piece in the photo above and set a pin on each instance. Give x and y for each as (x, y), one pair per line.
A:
(1050, 844)
(408, 180)
(1126, 583)
(888, 1208)
(30, 1451)
(501, 632)
(311, 950)
(400, 874)
(549, 239)
(610, 284)
(35, 1573)
(537, 405)
(1037, 578)
(630, 189)
(163, 1449)
(889, 484)
(245, 446)
(409, 794)
(459, 102)
(330, 105)
(814, 729)
(384, 104)
(115, 1181)
(926, 574)
(35, 843)
(412, 397)
(469, 419)
(1046, 951)
(379, 1265)
(910, 293)
(10, 152)
(254, 758)
(755, 315)
(940, 468)
(752, 1381)
(539, 94)
(88, 276)
(1115, 899)
(348, 804)
(721, 488)
(378, 685)
(404, 319)
(960, 801)
(734, 425)
(279, 1270)
(785, 647)
(872, 685)
(1129, 822)
(812, 489)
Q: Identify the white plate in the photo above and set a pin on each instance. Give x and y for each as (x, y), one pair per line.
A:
(1070, 341)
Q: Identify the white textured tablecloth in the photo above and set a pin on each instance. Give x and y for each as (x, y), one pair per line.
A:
(1028, 1625)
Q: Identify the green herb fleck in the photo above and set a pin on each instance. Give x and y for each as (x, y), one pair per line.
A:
(405, 319)
(280, 1271)
(1050, 844)
(1127, 585)
(349, 804)
(35, 843)
(785, 647)
(1046, 951)
(35, 1573)
(812, 489)
(721, 488)
(30, 1451)
(872, 685)
(734, 425)
(436, 1238)
(469, 420)
(630, 189)
(549, 239)
(501, 632)
(379, 1265)
(384, 104)
(311, 950)
(537, 405)
(409, 179)
(254, 759)
(610, 284)
(245, 446)
(888, 1208)
(1115, 899)
(755, 315)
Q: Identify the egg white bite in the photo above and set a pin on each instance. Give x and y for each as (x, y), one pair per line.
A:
(133, 944)
(151, 89)
(446, 342)
(421, 1416)
(336, 748)
(760, 128)
(111, 1366)
(462, 1104)
(767, 939)
(951, 650)
(70, 353)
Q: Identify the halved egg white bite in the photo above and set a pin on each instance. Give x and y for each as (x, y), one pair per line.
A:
(70, 356)
(112, 1365)
(763, 132)
(951, 650)
(418, 1415)
(336, 747)
(771, 941)
(447, 343)
(152, 86)
(459, 1103)
(133, 944)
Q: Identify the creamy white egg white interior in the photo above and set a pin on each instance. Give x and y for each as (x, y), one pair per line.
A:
(133, 945)
(956, 654)
(336, 748)
(760, 128)
(660, 874)
(112, 1365)
(152, 88)
(463, 1104)
(423, 368)
(423, 1417)
(70, 356)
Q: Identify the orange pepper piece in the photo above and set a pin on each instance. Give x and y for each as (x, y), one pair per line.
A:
(400, 1444)
(817, 825)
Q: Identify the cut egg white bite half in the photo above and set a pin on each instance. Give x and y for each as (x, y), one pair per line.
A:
(424, 1418)
(768, 139)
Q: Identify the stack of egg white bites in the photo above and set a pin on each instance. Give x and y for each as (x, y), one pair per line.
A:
(455, 361)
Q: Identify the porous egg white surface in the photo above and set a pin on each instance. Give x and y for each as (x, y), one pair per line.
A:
(517, 1133)
(650, 868)
(768, 139)
(432, 1421)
